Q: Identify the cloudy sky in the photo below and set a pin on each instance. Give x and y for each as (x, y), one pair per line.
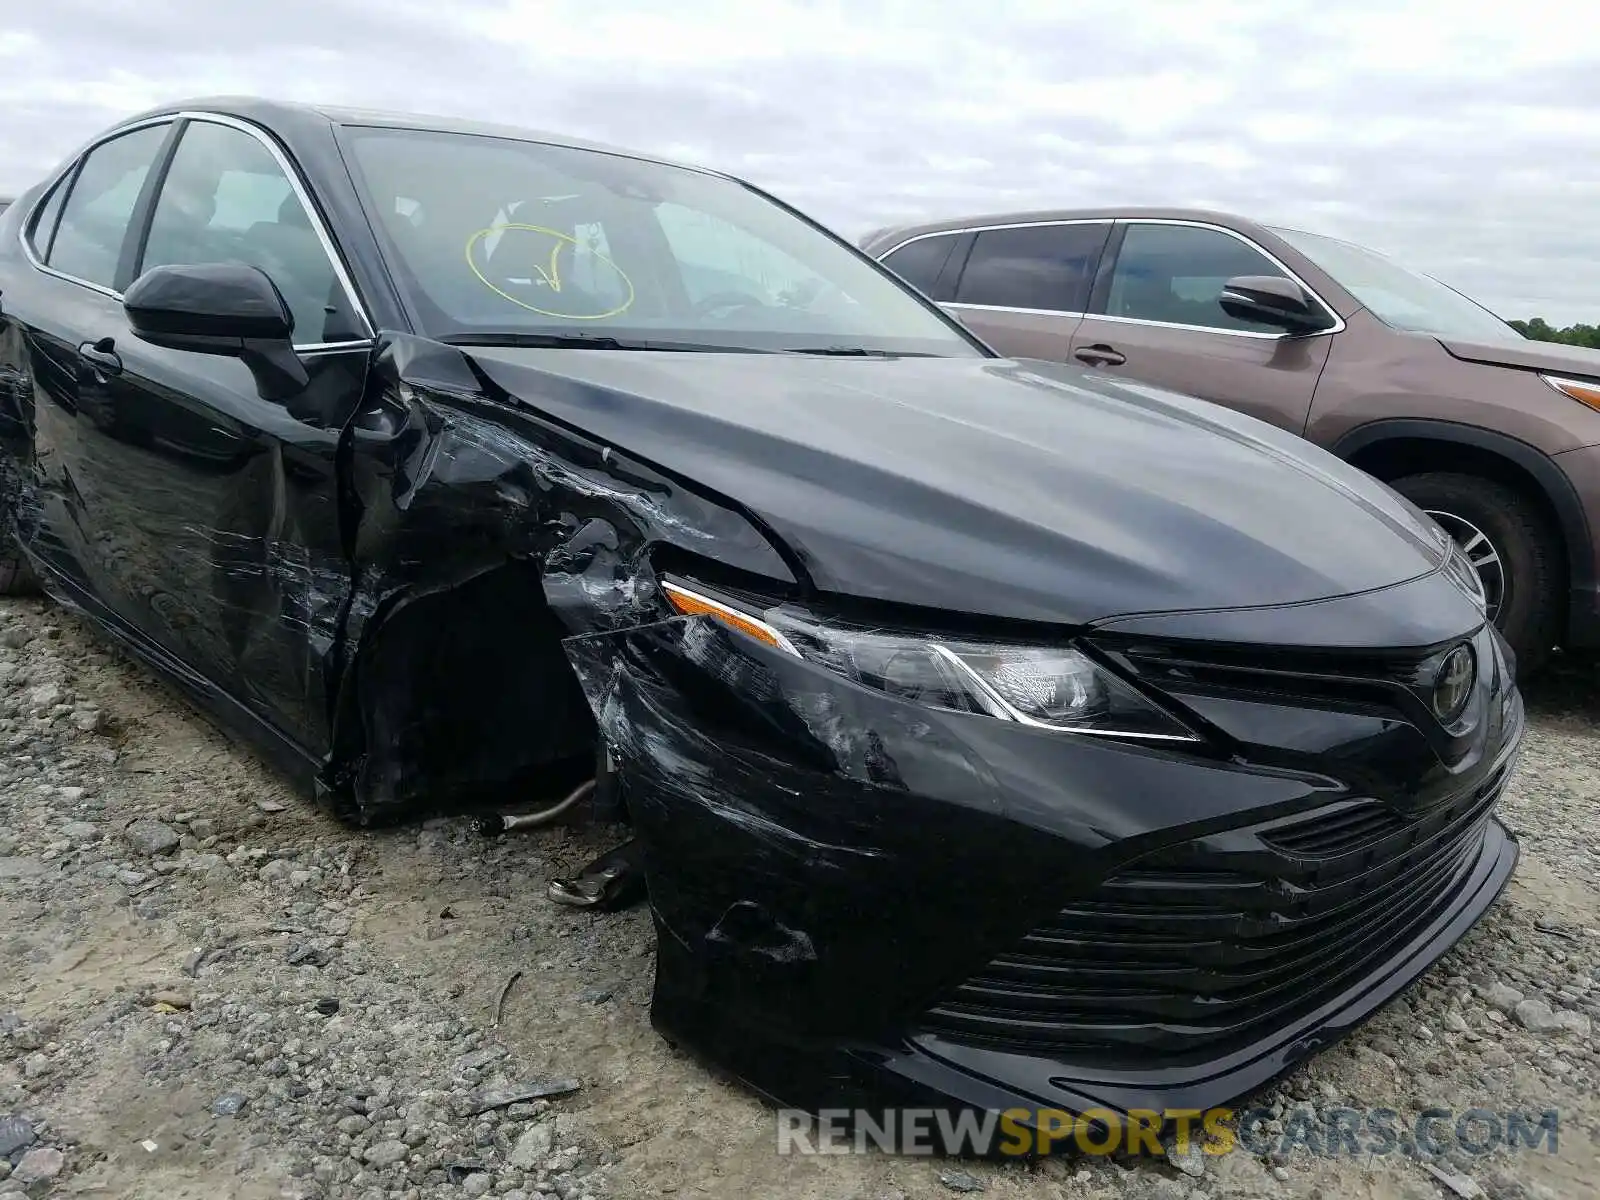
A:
(1467, 145)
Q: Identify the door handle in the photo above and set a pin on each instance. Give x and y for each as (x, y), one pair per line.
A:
(1099, 355)
(103, 354)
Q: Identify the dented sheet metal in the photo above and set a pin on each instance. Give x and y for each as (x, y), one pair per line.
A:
(825, 861)
(480, 533)
(831, 869)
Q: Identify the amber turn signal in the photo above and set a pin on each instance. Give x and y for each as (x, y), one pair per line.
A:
(693, 604)
(1580, 390)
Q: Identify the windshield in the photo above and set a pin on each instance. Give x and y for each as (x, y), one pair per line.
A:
(1398, 297)
(494, 237)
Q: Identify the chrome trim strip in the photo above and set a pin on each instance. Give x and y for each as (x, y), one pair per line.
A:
(296, 184)
(1054, 312)
(1259, 335)
(917, 237)
(1006, 308)
(335, 347)
(1337, 327)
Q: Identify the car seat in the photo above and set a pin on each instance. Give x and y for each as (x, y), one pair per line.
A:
(289, 250)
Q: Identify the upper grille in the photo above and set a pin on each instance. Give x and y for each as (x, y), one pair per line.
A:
(1200, 947)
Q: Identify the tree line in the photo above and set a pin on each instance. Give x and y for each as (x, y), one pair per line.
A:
(1573, 335)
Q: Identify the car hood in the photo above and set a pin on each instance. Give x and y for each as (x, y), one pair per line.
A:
(1528, 355)
(1003, 488)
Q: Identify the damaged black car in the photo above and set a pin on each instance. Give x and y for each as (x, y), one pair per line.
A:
(993, 733)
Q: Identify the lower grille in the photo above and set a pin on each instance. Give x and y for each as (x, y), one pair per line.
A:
(1203, 946)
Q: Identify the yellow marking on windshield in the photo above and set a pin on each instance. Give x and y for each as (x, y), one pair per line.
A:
(551, 277)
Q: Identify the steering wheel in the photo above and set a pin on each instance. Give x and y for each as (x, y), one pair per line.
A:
(730, 300)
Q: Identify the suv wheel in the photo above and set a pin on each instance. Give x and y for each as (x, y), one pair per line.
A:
(1512, 546)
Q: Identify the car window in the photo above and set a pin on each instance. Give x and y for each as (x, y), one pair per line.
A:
(226, 199)
(44, 223)
(919, 262)
(1400, 298)
(94, 221)
(1033, 266)
(500, 236)
(1175, 274)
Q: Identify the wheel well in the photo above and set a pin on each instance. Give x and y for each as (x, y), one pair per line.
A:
(1395, 458)
(466, 697)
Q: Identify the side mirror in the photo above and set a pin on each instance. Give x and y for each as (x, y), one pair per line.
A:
(220, 308)
(1273, 300)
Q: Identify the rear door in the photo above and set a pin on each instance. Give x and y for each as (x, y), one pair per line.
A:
(1024, 288)
(1155, 317)
(61, 297)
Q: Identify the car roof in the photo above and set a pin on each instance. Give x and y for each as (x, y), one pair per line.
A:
(282, 116)
(1228, 220)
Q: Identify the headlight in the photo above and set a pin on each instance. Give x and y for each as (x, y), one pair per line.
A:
(1047, 687)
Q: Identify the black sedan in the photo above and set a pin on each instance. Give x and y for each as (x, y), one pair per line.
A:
(994, 733)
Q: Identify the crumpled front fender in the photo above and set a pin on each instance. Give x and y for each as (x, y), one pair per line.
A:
(479, 533)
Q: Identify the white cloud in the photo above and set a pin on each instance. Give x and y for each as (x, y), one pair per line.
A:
(1458, 137)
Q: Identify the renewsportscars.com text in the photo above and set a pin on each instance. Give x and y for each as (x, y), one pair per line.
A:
(1329, 1133)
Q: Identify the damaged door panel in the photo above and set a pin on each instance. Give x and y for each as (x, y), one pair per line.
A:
(227, 527)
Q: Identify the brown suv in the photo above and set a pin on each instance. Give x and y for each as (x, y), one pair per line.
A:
(1496, 436)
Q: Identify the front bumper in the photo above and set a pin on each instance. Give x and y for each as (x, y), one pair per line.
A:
(864, 902)
(934, 1071)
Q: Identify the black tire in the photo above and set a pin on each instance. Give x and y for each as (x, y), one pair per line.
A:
(16, 576)
(1528, 547)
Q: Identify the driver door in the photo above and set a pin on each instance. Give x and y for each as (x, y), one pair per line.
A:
(222, 505)
(1159, 322)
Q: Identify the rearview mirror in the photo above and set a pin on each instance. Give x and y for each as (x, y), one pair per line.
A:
(220, 308)
(1273, 300)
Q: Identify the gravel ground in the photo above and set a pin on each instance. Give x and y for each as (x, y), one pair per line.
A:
(208, 989)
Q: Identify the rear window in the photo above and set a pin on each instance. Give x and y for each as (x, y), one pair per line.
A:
(44, 223)
(93, 224)
(920, 261)
(1049, 267)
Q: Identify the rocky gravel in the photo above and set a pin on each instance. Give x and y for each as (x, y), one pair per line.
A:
(207, 989)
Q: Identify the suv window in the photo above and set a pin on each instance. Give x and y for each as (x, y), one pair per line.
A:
(94, 222)
(226, 199)
(1033, 266)
(920, 262)
(1175, 274)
